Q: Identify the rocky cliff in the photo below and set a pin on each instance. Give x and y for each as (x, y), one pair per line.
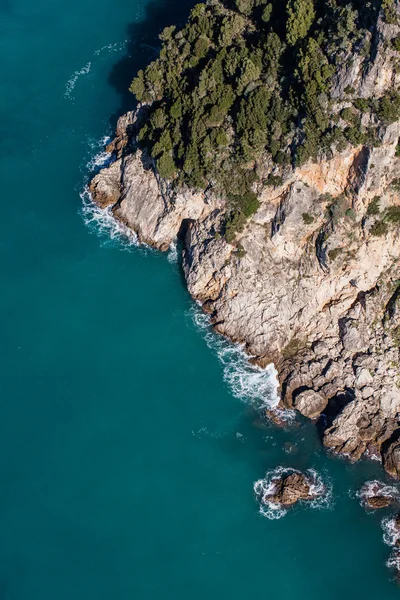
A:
(312, 282)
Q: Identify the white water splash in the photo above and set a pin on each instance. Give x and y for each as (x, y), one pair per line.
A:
(377, 488)
(71, 83)
(264, 488)
(101, 158)
(247, 382)
(391, 532)
(172, 255)
(103, 223)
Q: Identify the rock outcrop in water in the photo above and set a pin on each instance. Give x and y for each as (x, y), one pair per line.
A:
(376, 495)
(289, 489)
(312, 282)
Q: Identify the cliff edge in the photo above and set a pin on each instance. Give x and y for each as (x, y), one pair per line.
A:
(311, 280)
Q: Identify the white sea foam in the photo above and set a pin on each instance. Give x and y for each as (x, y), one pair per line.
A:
(71, 83)
(247, 382)
(172, 255)
(103, 223)
(393, 561)
(391, 537)
(264, 488)
(377, 488)
(101, 158)
(391, 532)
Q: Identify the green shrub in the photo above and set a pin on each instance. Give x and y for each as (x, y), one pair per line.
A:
(379, 229)
(392, 214)
(374, 207)
(301, 14)
(274, 180)
(396, 43)
(334, 253)
(166, 166)
(350, 213)
(307, 218)
(389, 11)
(389, 107)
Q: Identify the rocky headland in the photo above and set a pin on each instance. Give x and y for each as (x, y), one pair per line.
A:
(310, 281)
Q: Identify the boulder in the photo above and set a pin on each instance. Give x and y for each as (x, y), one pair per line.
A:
(310, 403)
(289, 489)
(377, 502)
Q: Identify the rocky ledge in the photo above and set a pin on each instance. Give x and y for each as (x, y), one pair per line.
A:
(312, 282)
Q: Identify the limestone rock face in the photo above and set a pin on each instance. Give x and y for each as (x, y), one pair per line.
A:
(310, 404)
(312, 283)
(144, 203)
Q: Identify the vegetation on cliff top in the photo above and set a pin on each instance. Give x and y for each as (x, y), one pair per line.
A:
(246, 83)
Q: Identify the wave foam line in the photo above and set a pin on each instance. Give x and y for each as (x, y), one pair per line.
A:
(247, 382)
(116, 47)
(71, 83)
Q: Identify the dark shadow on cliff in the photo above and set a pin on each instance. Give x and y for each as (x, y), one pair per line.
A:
(335, 406)
(143, 46)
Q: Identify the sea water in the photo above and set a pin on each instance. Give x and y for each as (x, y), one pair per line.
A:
(130, 435)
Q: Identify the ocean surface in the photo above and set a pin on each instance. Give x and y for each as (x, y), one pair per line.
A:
(130, 440)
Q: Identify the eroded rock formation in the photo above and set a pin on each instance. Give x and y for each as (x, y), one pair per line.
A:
(312, 283)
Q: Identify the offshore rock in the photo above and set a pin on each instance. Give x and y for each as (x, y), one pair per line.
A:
(376, 495)
(289, 489)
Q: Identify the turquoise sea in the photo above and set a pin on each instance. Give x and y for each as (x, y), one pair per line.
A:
(129, 439)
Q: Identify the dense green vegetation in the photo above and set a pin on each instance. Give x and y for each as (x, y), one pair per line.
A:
(243, 90)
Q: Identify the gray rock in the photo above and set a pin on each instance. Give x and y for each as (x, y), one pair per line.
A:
(310, 403)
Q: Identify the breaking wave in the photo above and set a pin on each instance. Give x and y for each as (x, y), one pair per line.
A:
(103, 223)
(98, 156)
(172, 255)
(377, 488)
(247, 382)
(263, 488)
(391, 531)
(391, 537)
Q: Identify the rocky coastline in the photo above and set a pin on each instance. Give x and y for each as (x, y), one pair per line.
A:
(312, 282)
